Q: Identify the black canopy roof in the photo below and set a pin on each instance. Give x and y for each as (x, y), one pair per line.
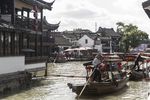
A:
(50, 27)
(146, 7)
(40, 3)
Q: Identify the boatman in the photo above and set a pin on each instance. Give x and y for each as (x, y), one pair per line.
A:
(96, 62)
(138, 59)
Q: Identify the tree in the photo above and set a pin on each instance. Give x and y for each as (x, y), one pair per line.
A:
(131, 36)
(120, 26)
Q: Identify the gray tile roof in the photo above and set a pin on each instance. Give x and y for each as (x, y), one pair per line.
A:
(49, 27)
(108, 32)
(145, 5)
(61, 41)
(40, 3)
(77, 36)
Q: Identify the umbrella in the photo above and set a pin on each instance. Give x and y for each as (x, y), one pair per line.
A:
(88, 48)
(85, 48)
(69, 50)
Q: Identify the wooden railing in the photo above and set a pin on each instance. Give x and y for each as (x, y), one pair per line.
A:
(27, 23)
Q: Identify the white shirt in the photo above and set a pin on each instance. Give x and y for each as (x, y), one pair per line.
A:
(96, 62)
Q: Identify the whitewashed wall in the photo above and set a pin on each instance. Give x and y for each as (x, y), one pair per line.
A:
(82, 43)
(12, 64)
(15, 64)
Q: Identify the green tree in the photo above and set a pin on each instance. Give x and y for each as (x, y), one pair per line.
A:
(131, 36)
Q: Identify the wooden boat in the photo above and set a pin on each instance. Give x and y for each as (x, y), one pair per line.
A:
(136, 75)
(143, 73)
(115, 81)
(99, 88)
(129, 57)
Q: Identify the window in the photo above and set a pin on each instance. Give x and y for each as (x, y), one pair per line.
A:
(86, 41)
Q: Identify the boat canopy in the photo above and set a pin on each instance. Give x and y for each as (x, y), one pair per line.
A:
(79, 49)
(112, 58)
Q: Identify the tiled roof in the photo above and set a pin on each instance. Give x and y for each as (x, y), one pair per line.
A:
(108, 32)
(40, 3)
(76, 36)
(146, 7)
(146, 4)
(61, 41)
(91, 35)
(73, 37)
(49, 27)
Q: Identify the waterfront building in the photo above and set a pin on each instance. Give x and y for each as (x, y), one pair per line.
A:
(86, 41)
(75, 35)
(104, 40)
(23, 29)
(61, 43)
(24, 43)
(109, 39)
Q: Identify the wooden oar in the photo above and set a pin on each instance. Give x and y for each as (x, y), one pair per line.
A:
(85, 84)
(55, 58)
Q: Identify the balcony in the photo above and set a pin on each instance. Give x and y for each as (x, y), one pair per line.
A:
(27, 23)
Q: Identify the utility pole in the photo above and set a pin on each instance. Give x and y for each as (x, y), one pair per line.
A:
(95, 26)
(110, 45)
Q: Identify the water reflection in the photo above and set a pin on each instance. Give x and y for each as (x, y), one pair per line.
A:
(55, 88)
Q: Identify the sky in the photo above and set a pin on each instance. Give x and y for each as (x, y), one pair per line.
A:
(91, 14)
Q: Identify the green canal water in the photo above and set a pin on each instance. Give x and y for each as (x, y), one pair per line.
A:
(55, 88)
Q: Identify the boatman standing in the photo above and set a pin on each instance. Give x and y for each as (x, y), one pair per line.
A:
(138, 59)
(96, 62)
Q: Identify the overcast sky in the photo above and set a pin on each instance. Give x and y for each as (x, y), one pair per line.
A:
(106, 13)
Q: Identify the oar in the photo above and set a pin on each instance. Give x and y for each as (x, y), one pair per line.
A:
(55, 58)
(85, 84)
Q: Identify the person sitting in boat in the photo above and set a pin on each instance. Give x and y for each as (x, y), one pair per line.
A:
(97, 62)
(138, 59)
(119, 66)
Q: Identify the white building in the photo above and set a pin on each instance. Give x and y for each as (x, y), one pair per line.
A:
(87, 41)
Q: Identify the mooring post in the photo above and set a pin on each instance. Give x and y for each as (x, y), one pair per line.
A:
(46, 65)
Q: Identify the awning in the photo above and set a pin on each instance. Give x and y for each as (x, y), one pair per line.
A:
(69, 50)
(79, 49)
(85, 48)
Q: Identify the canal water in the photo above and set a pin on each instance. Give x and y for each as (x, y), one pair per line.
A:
(54, 87)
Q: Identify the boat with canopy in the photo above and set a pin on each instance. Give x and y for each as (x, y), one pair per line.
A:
(112, 78)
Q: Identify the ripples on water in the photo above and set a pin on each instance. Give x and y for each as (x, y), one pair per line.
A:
(55, 88)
